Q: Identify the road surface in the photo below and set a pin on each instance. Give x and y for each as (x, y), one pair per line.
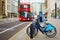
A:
(7, 30)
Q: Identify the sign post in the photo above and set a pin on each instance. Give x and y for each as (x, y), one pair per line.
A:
(41, 13)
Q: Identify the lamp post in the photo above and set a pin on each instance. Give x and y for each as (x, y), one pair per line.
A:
(55, 9)
(41, 13)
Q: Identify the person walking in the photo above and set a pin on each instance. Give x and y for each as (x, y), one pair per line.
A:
(45, 15)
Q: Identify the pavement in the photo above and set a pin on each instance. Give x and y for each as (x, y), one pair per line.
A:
(21, 35)
(7, 20)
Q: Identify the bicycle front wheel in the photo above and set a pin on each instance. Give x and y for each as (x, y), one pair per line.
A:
(32, 32)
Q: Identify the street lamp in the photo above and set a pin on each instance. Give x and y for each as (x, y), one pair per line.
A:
(55, 8)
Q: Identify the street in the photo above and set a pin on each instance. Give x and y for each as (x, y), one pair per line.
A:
(7, 30)
(18, 16)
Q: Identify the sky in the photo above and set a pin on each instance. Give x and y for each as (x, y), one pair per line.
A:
(32, 1)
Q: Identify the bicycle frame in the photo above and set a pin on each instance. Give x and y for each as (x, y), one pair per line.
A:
(40, 28)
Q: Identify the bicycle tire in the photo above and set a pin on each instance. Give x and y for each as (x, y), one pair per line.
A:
(34, 34)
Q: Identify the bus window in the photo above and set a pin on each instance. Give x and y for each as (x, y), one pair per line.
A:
(25, 14)
(25, 6)
(31, 14)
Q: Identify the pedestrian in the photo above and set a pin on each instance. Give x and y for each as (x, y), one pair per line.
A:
(45, 15)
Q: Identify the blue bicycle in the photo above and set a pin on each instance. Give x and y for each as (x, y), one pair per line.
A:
(47, 29)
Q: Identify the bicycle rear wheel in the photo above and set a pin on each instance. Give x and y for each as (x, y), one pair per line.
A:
(32, 32)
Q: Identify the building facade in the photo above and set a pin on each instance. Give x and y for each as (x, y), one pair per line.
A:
(36, 8)
(11, 8)
(53, 8)
(2, 8)
(8, 8)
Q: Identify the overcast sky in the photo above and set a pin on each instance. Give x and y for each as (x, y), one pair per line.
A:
(32, 1)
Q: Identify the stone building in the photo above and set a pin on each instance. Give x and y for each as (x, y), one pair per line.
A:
(8, 8)
(2, 9)
(11, 8)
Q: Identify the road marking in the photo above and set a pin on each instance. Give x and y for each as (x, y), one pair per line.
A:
(11, 28)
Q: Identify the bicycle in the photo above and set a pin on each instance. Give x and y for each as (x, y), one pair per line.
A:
(48, 29)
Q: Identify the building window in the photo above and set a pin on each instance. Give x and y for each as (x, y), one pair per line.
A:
(8, 1)
(8, 7)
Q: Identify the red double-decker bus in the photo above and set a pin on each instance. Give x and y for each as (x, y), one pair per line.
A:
(25, 12)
